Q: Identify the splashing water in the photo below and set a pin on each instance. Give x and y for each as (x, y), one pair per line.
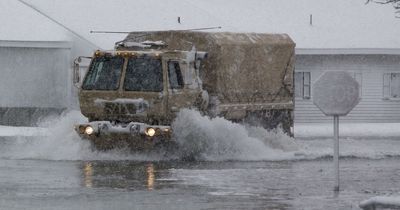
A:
(199, 138)
(218, 139)
(62, 143)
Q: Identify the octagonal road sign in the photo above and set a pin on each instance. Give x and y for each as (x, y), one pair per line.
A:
(336, 93)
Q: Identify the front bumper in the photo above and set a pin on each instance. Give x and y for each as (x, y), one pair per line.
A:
(106, 135)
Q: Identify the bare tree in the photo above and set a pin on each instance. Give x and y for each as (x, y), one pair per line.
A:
(394, 3)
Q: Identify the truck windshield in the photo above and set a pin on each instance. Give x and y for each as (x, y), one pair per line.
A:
(104, 73)
(144, 74)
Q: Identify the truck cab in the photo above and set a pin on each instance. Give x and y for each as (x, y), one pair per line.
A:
(140, 89)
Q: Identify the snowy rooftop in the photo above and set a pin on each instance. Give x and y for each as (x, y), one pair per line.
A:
(340, 24)
(21, 23)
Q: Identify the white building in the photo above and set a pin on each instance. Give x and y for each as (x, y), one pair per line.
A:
(40, 38)
(33, 57)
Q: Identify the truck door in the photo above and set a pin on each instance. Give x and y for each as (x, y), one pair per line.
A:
(180, 93)
(145, 79)
(101, 84)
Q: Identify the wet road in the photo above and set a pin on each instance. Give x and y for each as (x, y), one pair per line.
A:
(237, 167)
(305, 184)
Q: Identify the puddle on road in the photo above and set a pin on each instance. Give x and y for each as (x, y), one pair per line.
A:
(39, 184)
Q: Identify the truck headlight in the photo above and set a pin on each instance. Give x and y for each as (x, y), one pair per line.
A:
(89, 130)
(150, 132)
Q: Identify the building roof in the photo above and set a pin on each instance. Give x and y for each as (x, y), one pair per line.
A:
(340, 25)
(21, 23)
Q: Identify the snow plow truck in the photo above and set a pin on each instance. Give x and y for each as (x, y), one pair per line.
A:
(132, 94)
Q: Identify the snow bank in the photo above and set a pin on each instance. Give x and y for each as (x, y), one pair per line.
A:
(392, 202)
(22, 131)
(353, 130)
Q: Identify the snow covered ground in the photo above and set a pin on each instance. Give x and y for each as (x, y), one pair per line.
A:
(348, 130)
(22, 131)
(387, 202)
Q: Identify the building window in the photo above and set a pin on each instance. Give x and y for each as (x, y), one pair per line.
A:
(302, 85)
(391, 85)
(358, 78)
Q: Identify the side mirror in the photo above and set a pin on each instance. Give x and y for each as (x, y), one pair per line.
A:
(76, 69)
(76, 78)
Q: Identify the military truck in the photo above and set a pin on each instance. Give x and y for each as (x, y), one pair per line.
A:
(132, 94)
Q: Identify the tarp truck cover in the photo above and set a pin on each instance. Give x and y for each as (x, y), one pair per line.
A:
(241, 68)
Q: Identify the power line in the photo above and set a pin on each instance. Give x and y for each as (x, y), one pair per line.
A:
(60, 24)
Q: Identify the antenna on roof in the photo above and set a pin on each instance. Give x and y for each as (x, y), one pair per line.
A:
(127, 32)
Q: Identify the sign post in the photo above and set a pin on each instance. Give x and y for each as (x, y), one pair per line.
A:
(336, 150)
(336, 93)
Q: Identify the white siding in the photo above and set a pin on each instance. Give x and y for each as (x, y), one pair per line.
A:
(371, 68)
(35, 77)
